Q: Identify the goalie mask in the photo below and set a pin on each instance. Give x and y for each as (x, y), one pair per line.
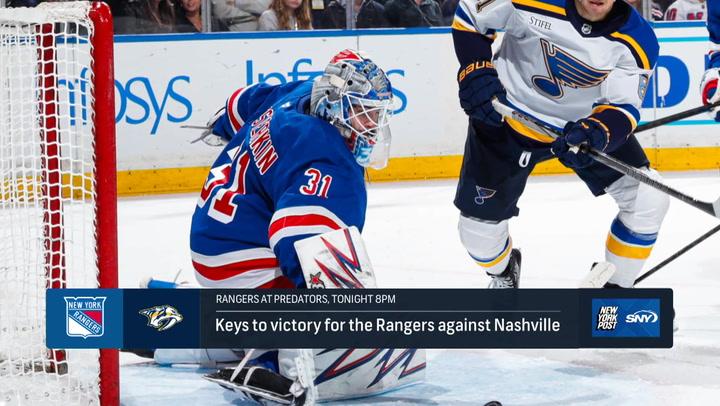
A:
(355, 95)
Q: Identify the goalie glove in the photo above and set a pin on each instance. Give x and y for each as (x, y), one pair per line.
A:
(709, 89)
(261, 385)
(213, 134)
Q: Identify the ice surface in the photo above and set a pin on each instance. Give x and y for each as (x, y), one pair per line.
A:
(411, 236)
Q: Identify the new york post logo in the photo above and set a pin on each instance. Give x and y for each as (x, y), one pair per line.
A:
(626, 317)
(85, 316)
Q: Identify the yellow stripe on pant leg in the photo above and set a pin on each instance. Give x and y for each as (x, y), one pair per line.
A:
(622, 249)
(498, 259)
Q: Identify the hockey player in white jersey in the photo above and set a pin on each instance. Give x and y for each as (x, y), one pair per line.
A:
(581, 67)
(709, 84)
(686, 10)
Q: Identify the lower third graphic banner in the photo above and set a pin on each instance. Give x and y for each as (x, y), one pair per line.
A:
(368, 318)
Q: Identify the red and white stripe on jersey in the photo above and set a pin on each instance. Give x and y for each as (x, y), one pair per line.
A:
(236, 120)
(300, 220)
(247, 268)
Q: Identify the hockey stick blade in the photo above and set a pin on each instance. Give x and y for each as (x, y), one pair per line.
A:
(712, 209)
(598, 276)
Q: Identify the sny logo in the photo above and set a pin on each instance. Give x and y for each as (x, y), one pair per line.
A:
(85, 316)
(642, 316)
(162, 317)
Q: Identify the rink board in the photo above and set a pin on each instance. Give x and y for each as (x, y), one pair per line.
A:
(159, 89)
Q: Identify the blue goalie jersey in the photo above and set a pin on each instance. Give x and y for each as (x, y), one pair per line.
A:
(285, 175)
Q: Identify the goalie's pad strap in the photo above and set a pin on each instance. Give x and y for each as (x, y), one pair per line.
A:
(260, 383)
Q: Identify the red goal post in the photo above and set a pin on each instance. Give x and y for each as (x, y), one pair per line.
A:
(58, 217)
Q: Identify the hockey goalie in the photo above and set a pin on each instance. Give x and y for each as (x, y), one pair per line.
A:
(283, 202)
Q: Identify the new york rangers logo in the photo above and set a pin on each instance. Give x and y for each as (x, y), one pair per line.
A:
(85, 316)
(483, 193)
(565, 70)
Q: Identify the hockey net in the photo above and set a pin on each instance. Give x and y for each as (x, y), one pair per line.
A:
(57, 194)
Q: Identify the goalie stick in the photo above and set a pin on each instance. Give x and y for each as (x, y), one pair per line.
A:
(711, 208)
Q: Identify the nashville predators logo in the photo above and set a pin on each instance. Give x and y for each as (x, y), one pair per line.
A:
(565, 70)
(162, 317)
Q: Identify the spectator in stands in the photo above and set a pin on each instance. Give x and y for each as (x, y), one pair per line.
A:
(657, 13)
(685, 10)
(144, 17)
(637, 4)
(286, 15)
(447, 9)
(317, 13)
(413, 13)
(189, 17)
(238, 15)
(22, 3)
(368, 14)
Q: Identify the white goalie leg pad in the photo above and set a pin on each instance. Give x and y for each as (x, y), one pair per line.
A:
(337, 260)
(634, 230)
(488, 243)
(350, 373)
(299, 365)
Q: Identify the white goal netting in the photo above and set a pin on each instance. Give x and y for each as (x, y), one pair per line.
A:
(47, 197)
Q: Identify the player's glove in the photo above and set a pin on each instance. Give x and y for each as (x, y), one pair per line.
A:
(479, 83)
(586, 131)
(214, 134)
(709, 88)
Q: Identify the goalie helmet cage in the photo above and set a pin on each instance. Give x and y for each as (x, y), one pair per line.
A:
(58, 221)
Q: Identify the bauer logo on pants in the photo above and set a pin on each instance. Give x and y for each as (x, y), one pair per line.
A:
(85, 316)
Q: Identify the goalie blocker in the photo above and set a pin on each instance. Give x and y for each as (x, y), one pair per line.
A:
(334, 260)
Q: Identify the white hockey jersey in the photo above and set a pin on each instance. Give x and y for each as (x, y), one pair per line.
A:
(681, 10)
(559, 67)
